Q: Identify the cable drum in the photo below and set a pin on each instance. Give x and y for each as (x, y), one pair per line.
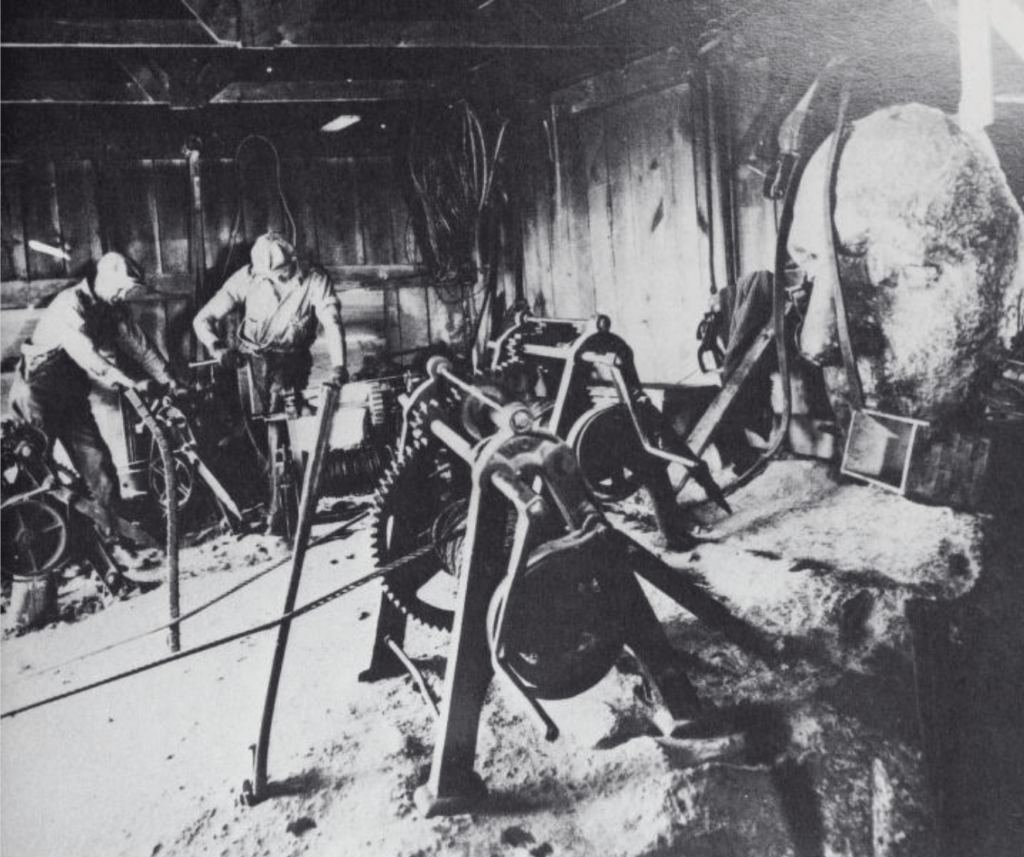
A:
(353, 471)
(449, 535)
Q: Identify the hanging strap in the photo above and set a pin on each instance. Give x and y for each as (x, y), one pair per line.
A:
(838, 299)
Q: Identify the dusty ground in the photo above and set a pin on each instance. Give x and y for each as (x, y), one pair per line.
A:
(813, 747)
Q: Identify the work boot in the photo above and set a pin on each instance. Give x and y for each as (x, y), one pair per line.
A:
(142, 567)
(277, 525)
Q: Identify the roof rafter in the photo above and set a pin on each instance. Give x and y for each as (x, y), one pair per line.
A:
(413, 35)
(270, 92)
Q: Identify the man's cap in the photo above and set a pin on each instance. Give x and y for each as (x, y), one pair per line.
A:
(271, 254)
(118, 268)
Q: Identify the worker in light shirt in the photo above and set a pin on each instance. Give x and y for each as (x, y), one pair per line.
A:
(79, 339)
(280, 306)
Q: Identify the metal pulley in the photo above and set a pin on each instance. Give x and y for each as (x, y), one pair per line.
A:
(607, 448)
(560, 653)
(185, 481)
(34, 524)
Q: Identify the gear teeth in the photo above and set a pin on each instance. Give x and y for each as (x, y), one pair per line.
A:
(391, 496)
(378, 404)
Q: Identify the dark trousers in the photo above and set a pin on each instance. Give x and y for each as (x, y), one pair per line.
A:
(68, 418)
(273, 377)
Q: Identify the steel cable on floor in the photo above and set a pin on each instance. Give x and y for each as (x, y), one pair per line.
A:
(276, 564)
(230, 638)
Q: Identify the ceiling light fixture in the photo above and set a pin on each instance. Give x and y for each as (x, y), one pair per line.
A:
(49, 250)
(339, 123)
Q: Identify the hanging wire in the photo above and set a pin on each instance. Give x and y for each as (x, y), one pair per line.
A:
(231, 247)
(452, 168)
(238, 209)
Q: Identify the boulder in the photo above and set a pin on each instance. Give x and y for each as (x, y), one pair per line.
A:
(931, 249)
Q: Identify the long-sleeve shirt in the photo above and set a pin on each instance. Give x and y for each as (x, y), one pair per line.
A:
(90, 331)
(276, 316)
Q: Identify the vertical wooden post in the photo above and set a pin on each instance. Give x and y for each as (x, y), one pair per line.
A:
(702, 179)
(722, 176)
(196, 235)
(58, 229)
(154, 213)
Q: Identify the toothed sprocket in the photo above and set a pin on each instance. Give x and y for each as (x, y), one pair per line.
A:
(418, 503)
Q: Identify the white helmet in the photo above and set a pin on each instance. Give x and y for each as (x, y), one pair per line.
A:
(271, 256)
(117, 276)
(117, 268)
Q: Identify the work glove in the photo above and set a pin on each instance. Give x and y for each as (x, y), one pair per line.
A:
(339, 376)
(225, 356)
(148, 387)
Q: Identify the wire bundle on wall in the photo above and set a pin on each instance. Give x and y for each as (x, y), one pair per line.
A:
(452, 166)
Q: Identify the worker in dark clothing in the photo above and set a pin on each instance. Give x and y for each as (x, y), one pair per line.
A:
(281, 306)
(78, 340)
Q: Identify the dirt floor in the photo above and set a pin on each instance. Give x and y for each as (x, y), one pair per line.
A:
(813, 742)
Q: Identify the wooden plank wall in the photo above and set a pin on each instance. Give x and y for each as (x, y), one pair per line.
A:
(628, 211)
(756, 217)
(614, 227)
(350, 215)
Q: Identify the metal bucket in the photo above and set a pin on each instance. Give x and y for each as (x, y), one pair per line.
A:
(33, 601)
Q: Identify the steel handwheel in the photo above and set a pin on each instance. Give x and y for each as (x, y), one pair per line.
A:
(34, 538)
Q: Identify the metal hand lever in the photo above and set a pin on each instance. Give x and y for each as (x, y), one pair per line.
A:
(417, 675)
(171, 503)
(694, 465)
(530, 507)
(255, 790)
(613, 363)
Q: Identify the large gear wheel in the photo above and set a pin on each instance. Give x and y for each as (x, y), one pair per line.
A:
(421, 500)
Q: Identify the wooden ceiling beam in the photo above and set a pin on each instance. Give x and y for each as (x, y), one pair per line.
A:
(133, 33)
(152, 81)
(27, 91)
(447, 35)
(414, 35)
(219, 18)
(272, 92)
(659, 71)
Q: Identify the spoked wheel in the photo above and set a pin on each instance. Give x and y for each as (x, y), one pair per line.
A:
(34, 539)
(184, 480)
(563, 626)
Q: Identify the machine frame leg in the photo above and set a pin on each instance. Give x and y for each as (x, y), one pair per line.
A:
(659, 661)
(391, 625)
(454, 787)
